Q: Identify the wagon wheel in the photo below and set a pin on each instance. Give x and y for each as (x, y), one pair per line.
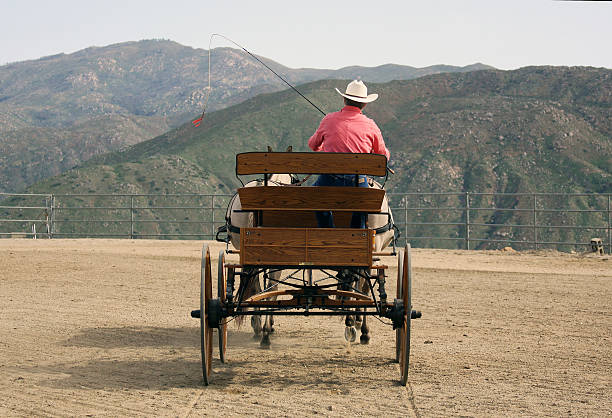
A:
(221, 292)
(405, 329)
(205, 329)
(399, 294)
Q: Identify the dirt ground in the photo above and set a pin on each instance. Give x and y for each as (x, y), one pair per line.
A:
(102, 328)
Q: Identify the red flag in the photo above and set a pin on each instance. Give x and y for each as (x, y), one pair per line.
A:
(198, 121)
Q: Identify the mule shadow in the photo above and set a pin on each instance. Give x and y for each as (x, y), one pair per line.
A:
(118, 337)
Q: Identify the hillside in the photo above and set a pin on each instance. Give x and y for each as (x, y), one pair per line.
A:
(539, 128)
(544, 129)
(58, 111)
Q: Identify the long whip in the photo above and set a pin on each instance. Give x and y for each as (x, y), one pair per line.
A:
(199, 120)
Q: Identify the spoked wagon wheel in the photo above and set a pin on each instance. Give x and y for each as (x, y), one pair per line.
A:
(221, 289)
(405, 329)
(205, 330)
(399, 295)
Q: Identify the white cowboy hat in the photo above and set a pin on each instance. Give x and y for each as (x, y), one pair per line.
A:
(358, 92)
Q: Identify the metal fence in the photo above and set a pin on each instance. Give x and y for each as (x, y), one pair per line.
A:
(437, 220)
(563, 221)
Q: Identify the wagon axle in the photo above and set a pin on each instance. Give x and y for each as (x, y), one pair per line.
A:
(220, 314)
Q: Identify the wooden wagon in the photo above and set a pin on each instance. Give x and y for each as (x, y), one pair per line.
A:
(284, 237)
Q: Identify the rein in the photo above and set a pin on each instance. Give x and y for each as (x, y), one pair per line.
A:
(299, 183)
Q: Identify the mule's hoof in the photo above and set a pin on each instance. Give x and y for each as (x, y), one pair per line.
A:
(265, 342)
(256, 324)
(350, 334)
(364, 339)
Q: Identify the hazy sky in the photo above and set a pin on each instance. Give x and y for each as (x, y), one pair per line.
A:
(326, 34)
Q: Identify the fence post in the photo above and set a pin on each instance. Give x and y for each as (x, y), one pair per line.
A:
(609, 228)
(535, 229)
(132, 217)
(467, 220)
(52, 216)
(47, 214)
(406, 219)
(212, 223)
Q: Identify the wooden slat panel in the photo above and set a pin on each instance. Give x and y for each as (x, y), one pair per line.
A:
(306, 246)
(310, 163)
(282, 198)
(336, 237)
(282, 237)
(274, 256)
(339, 256)
(290, 218)
(304, 219)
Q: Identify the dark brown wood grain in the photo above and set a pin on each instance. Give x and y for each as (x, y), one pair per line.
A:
(274, 237)
(309, 198)
(305, 219)
(336, 237)
(310, 163)
(306, 246)
(339, 256)
(273, 256)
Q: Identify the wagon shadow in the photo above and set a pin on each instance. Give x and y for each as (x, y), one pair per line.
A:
(150, 337)
(318, 372)
(145, 374)
(118, 337)
(171, 373)
(177, 364)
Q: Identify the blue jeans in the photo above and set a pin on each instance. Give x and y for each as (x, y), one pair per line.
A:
(325, 219)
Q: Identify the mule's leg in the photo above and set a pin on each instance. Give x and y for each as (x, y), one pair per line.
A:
(350, 332)
(346, 279)
(275, 276)
(365, 331)
(256, 319)
(358, 317)
(269, 319)
(256, 325)
(266, 330)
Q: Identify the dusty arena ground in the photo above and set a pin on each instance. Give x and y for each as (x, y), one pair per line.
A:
(102, 328)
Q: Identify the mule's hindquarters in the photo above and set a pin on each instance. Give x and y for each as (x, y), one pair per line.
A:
(355, 281)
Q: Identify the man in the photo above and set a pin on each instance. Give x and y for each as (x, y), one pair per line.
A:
(348, 130)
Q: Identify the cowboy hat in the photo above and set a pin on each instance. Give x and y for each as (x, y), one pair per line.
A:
(358, 92)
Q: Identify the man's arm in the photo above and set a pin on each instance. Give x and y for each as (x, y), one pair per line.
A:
(378, 145)
(315, 142)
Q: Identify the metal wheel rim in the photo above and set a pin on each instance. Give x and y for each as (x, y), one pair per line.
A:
(221, 289)
(398, 295)
(205, 330)
(405, 334)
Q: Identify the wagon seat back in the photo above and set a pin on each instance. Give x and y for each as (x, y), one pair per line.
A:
(285, 230)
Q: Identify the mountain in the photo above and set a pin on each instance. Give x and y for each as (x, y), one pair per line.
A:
(58, 111)
(537, 129)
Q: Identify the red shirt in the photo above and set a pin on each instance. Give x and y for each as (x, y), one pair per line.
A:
(348, 130)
